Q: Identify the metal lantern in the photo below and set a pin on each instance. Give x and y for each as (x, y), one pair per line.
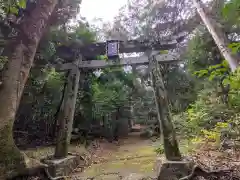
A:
(112, 49)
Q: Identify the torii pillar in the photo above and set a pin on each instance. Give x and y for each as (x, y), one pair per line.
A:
(66, 113)
(171, 147)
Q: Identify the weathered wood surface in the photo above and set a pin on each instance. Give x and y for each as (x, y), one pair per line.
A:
(66, 114)
(141, 60)
(90, 51)
(171, 147)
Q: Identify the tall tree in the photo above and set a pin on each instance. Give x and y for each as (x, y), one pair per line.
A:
(218, 35)
(20, 52)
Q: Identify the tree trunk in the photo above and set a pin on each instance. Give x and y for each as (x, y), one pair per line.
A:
(218, 35)
(66, 114)
(20, 52)
(171, 148)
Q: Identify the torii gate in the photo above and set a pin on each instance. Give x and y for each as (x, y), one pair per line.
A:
(84, 60)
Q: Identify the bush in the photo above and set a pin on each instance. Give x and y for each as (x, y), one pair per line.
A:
(205, 113)
(234, 94)
(181, 124)
(209, 118)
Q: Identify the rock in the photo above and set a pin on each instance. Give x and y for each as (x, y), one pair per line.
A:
(227, 144)
(147, 133)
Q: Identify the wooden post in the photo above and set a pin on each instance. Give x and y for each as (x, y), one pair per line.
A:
(171, 147)
(218, 35)
(66, 114)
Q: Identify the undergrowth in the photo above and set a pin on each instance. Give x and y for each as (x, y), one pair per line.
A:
(208, 119)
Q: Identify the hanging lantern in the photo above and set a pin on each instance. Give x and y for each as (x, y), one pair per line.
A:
(112, 49)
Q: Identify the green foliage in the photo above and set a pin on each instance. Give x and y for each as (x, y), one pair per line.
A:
(214, 72)
(180, 86)
(110, 93)
(231, 12)
(234, 94)
(208, 117)
(234, 80)
(201, 52)
(205, 113)
(83, 32)
(159, 150)
(73, 34)
(214, 135)
(43, 90)
(3, 60)
(12, 6)
(235, 47)
(48, 50)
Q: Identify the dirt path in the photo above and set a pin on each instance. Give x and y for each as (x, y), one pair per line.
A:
(131, 156)
(134, 158)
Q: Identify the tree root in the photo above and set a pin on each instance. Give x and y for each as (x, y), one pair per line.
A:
(38, 171)
(211, 175)
(41, 172)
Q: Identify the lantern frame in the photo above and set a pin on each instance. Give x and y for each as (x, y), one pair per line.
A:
(114, 52)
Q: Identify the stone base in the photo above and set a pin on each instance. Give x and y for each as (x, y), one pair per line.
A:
(64, 167)
(174, 170)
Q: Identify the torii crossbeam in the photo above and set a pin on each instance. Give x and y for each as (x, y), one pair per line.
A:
(90, 51)
(140, 60)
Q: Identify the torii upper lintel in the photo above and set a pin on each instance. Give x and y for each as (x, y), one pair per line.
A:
(90, 51)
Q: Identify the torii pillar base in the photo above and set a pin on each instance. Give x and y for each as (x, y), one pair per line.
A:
(63, 167)
(171, 170)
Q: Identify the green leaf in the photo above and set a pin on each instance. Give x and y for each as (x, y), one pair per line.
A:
(212, 76)
(225, 64)
(201, 73)
(22, 3)
(215, 66)
(235, 47)
(13, 10)
(226, 81)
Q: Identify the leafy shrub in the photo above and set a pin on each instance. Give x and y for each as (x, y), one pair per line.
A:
(208, 119)
(181, 124)
(3, 60)
(204, 116)
(234, 131)
(207, 111)
(159, 149)
(234, 94)
(215, 135)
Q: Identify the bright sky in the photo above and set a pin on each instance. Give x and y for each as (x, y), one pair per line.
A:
(105, 9)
